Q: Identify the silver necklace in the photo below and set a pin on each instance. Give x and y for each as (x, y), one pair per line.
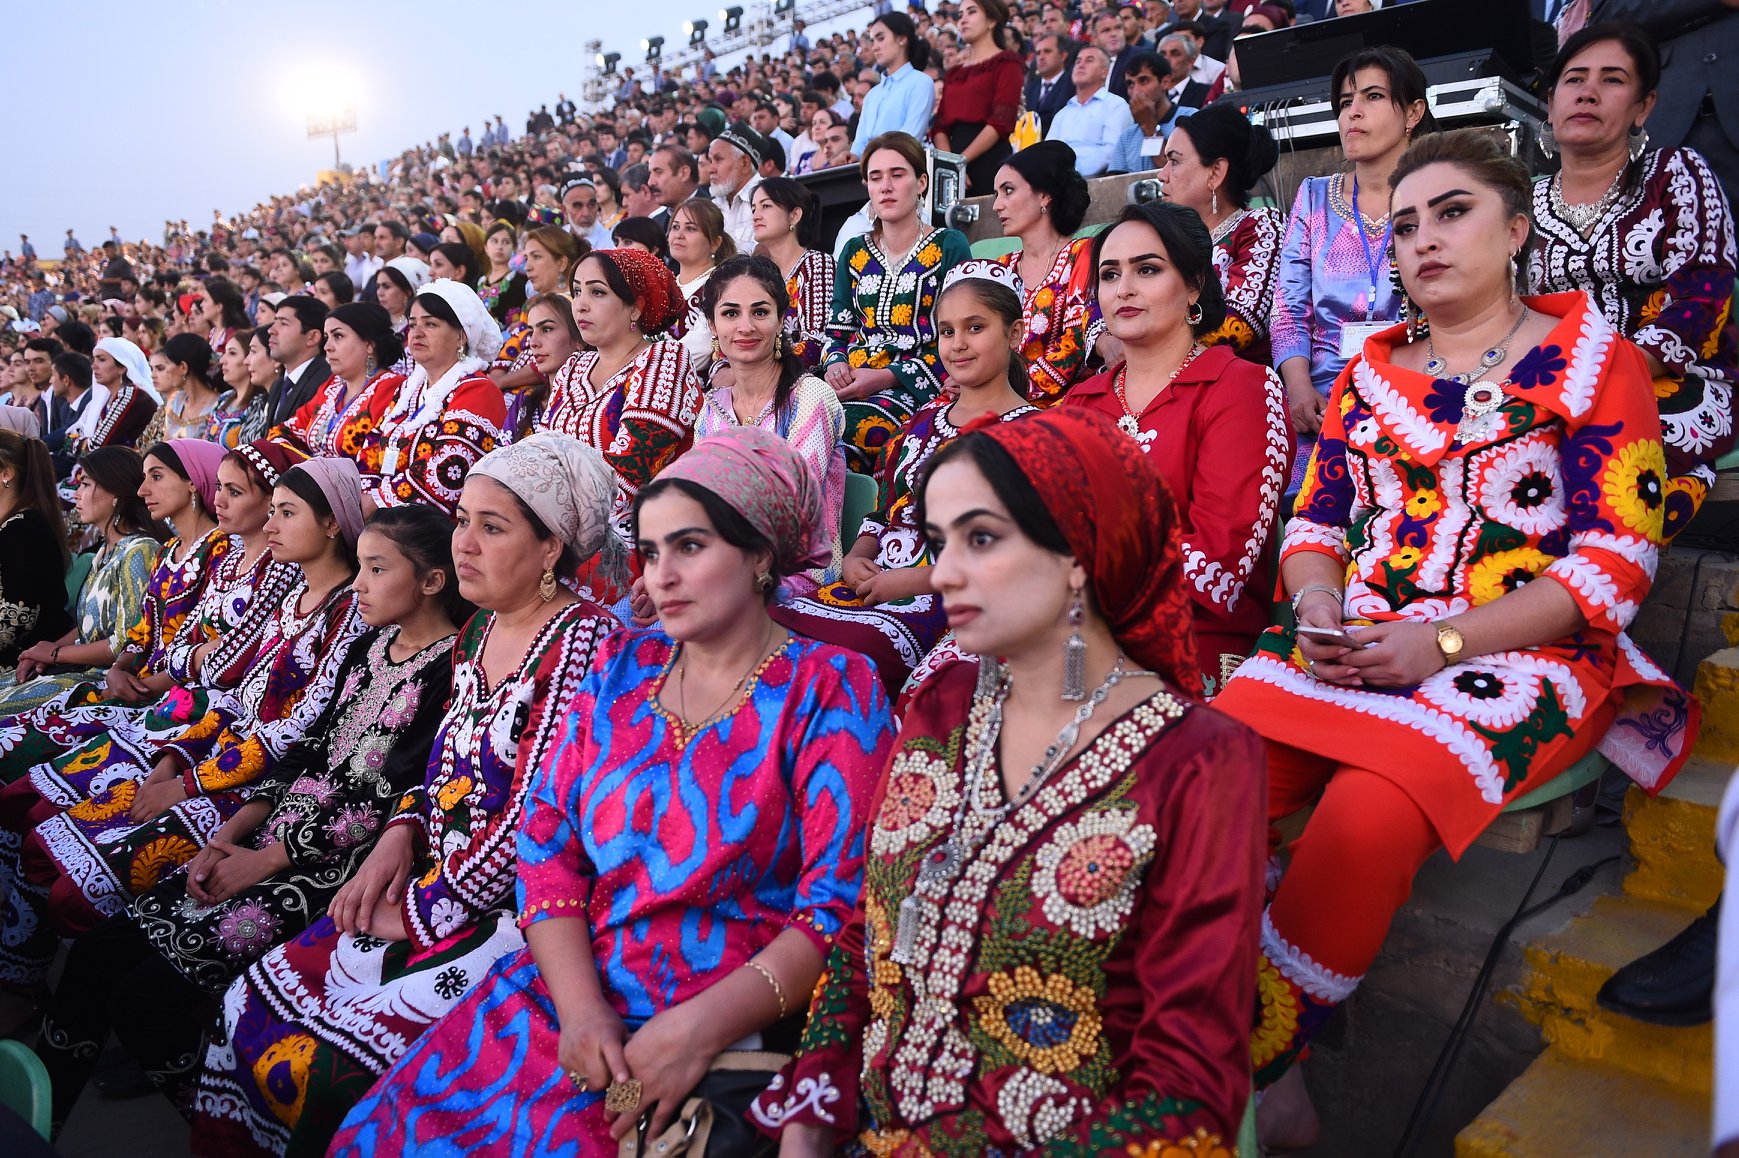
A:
(1437, 367)
(940, 866)
(1582, 218)
(1480, 400)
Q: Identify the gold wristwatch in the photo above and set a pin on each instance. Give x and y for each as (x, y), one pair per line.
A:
(1450, 643)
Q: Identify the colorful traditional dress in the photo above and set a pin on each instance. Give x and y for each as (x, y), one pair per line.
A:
(641, 420)
(178, 423)
(1079, 984)
(895, 634)
(331, 794)
(756, 828)
(809, 284)
(329, 425)
(1564, 482)
(1659, 265)
(308, 1028)
(1334, 274)
(812, 422)
(883, 317)
(1246, 254)
(32, 585)
(693, 329)
(431, 435)
(96, 848)
(1221, 440)
(233, 425)
(1059, 310)
(109, 603)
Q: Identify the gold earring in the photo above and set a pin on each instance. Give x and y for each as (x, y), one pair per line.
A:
(546, 587)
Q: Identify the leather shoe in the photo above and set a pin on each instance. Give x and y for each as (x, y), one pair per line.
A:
(1675, 984)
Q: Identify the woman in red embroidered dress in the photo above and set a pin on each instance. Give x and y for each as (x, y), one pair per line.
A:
(1050, 949)
(1212, 424)
(1484, 509)
(340, 420)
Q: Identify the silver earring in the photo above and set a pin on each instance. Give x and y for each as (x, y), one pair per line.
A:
(1075, 654)
(1194, 314)
(1548, 140)
(1215, 210)
(1638, 142)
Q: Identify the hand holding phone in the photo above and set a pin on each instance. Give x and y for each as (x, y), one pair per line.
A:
(1332, 636)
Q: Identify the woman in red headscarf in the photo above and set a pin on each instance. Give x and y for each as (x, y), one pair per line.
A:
(1066, 856)
(633, 393)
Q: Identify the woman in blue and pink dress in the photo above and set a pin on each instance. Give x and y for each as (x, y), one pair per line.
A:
(684, 863)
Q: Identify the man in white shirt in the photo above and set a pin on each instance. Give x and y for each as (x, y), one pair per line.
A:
(735, 156)
(359, 264)
(579, 202)
(1095, 120)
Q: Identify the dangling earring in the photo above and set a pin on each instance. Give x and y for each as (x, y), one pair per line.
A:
(1194, 316)
(1411, 314)
(368, 368)
(1548, 141)
(764, 581)
(1075, 654)
(1638, 142)
(779, 345)
(717, 353)
(1214, 209)
(546, 587)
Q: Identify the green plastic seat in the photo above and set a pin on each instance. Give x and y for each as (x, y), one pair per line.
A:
(860, 499)
(1247, 1147)
(1584, 771)
(24, 1086)
(1092, 230)
(995, 246)
(76, 574)
(1728, 461)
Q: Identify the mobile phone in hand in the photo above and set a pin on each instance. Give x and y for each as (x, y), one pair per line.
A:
(1334, 636)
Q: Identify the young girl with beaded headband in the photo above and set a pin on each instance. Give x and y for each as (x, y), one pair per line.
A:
(883, 604)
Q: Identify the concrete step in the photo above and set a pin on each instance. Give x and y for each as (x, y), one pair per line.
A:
(1717, 686)
(1565, 971)
(1672, 835)
(1563, 1108)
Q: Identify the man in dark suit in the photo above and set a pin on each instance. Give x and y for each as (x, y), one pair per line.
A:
(1698, 40)
(296, 342)
(1108, 34)
(1050, 87)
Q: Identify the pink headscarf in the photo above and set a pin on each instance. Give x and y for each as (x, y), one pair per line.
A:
(761, 478)
(200, 459)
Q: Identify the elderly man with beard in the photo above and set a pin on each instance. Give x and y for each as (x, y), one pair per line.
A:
(735, 155)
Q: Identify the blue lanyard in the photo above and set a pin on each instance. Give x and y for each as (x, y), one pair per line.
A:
(1370, 259)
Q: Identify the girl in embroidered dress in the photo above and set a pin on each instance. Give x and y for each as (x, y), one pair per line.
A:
(1648, 235)
(248, 370)
(554, 338)
(339, 421)
(448, 413)
(625, 1004)
(882, 359)
(308, 1028)
(788, 224)
(698, 243)
(1064, 872)
(1479, 522)
(551, 253)
(883, 604)
(152, 975)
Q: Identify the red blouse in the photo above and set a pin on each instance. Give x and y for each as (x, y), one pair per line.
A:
(1219, 436)
(983, 93)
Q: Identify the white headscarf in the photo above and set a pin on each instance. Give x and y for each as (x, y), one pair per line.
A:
(138, 371)
(418, 400)
(416, 272)
(482, 332)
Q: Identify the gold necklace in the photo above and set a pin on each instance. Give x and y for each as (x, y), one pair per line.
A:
(684, 732)
(1129, 424)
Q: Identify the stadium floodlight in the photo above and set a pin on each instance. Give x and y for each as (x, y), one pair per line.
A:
(654, 46)
(608, 61)
(733, 18)
(784, 7)
(696, 30)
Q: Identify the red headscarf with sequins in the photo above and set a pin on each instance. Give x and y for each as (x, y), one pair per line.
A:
(654, 286)
(1118, 518)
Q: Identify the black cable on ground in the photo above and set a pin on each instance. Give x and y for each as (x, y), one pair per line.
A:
(1425, 1108)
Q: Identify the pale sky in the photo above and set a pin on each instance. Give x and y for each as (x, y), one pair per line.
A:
(129, 113)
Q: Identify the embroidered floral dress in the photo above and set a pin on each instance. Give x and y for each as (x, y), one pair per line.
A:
(1659, 265)
(812, 422)
(111, 600)
(809, 284)
(329, 425)
(756, 828)
(1246, 256)
(1564, 484)
(883, 317)
(641, 419)
(895, 634)
(1060, 310)
(1221, 440)
(331, 795)
(231, 425)
(1079, 985)
(308, 1028)
(430, 437)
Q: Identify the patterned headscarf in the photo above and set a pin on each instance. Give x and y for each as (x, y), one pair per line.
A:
(761, 478)
(266, 460)
(654, 286)
(341, 485)
(569, 486)
(199, 460)
(1117, 516)
(20, 420)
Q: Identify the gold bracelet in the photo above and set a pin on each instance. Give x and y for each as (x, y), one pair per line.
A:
(778, 990)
